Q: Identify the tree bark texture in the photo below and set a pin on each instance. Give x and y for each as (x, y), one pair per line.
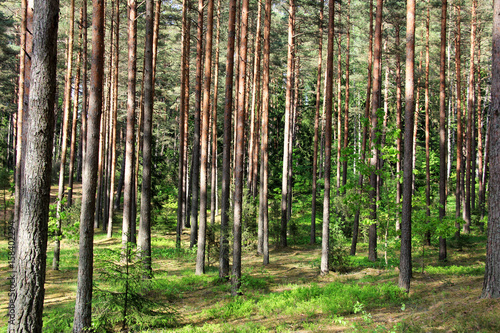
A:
(328, 141)
(128, 195)
(442, 128)
(316, 125)
(64, 141)
(31, 242)
(239, 144)
(226, 153)
(405, 265)
(288, 114)
(491, 284)
(144, 239)
(355, 228)
(374, 141)
(264, 166)
(202, 230)
(195, 162)
(83, 306)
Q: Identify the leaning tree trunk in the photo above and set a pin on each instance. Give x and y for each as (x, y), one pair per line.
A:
(31, 241)
(83, 307)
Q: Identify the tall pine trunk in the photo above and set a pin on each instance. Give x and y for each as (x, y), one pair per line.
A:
(491, 284)
(144, 239)
(458, 191)
(226, 153)
(405, 265)
(83, 306)
(328, 141)
(64, 141)
(374, 141)
(239, 145)
(202, 230)
(195, 162)
(470, 119)
(128, 193)
(264, 166)
(31, 240)
(442, 129)
(288, 115)
(316, 124)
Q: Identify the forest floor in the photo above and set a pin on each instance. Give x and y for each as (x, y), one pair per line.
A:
(288, 295)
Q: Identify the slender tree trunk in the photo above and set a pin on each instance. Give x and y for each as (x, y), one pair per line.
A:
(119, 190)
(491, 284)
(144, 239)
(226, 153)
(83, 306)
(405, 265)
(399, 126)
(470, 119)
(213, 178)
(264, 166)
(254, 111)
(66, 110)
(324, 268)
(339, 105)
(23, 73)
(479, 132)
(181, 197)
(195, 162)
(427, 135)
(114, 122)
(355, 228)
(442, 129)
(72, 149)
(377, 89)
(31, 241)
(316, 124)
(84, 85)
(128, 195)
(288, 111)
(458, 192)
(347, 78)
(202, 230)
(239, 138)
(186, 216)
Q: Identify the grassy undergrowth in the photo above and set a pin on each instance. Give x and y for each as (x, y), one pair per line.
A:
(288, 295)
